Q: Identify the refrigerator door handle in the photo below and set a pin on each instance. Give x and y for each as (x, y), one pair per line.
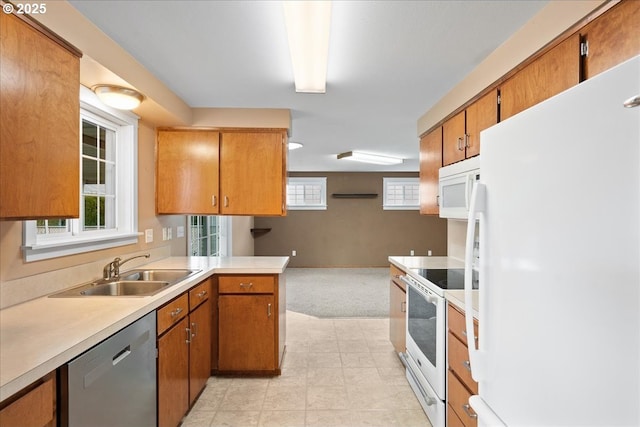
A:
(476, 207)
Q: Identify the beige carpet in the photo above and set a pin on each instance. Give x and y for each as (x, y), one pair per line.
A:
(338, 292)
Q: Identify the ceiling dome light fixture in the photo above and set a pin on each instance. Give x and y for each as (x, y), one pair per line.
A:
(376, 159)
(122, 98)
(294, 145)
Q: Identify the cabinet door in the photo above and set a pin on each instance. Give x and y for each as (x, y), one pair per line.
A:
(613, 37)
(430, 164)
(39, 124)
(246, 333)
(187, 172)
(481, 115)
(397, 316)
(35, 408)
(173, 375)
(453, 139)
(200, 349)
(253, 173)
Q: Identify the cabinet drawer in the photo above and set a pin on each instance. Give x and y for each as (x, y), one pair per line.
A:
(172, 312)
(33, 409)
(199, 294)
(458, 362)
(246, 284)
(457, 325)
(458, 397)
(396, 273)
(452, 418)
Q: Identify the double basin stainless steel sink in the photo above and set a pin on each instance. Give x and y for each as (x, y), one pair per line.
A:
(133, 283)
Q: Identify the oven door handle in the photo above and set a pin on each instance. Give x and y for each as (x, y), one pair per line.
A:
(431, 299)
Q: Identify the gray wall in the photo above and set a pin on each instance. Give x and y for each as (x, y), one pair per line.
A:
(351, 232)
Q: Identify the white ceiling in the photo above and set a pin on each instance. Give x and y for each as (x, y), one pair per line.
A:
(389, 62)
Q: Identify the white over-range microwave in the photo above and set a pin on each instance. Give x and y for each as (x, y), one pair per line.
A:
(455, 185)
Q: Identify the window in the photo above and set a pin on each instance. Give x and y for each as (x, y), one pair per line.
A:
(401, 193)
(208, 235)
(108, 188)
(307, 193)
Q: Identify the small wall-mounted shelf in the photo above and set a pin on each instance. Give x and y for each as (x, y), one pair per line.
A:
(354, 195)
(257, 232)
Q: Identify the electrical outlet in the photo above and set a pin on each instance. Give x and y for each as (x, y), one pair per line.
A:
(293, 253)
(429, 252)
(180, 231)
(412, 252)
(148, 235)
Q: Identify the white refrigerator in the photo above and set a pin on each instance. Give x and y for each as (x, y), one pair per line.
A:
(558, 211)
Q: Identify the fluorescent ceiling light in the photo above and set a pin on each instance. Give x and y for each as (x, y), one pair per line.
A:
(308, 25)
(119, 97)
(370, 158)
(294, 145)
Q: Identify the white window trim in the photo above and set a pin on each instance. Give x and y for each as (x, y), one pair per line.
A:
(322, 181)
(127, 189)
(396, 181)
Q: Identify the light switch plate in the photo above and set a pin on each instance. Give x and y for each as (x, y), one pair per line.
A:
(148, 235)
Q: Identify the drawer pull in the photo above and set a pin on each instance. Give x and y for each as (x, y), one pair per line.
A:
(268, 310)
(188, 331)
(246, 285)
(464, 334)
(175, 312)
(213, 201)
(467, 365)
(467, 410)
(403, 307)
(194, 330)
(201, 294)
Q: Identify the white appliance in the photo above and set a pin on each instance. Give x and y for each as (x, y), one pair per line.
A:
(559, 215)
(454, 187)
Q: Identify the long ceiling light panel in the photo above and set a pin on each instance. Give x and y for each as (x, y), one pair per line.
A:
(308, 24)
(376, 159)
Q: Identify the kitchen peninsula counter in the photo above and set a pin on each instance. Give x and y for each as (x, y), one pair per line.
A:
(38, 336)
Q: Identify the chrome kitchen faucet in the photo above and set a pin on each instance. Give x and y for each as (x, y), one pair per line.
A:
(112, 270)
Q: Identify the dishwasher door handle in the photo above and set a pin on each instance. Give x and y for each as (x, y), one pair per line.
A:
(121, 355)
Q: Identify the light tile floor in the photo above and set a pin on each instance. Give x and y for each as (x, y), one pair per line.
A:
(336, 372)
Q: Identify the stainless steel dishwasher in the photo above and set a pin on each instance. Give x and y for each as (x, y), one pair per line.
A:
(113, 383)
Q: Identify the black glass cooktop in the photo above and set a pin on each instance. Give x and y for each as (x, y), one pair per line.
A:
(445, 278)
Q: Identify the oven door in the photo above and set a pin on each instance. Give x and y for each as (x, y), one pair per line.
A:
(426, 335)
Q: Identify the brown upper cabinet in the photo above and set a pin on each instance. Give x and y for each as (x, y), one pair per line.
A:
(228, 172)
(430, 163)
(461, 133)
(612, 38)
(39, 122)
(553, 72)
(187, 172)
(253, 173)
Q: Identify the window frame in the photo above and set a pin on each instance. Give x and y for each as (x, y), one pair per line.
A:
(308, 180)
(399, 181)
(38, 247)
(223, 236)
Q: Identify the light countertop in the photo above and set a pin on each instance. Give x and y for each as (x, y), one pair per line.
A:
(455, 297)
(38, 336)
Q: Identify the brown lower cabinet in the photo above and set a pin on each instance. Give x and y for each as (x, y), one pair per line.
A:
(32, 407)
(460, 384)
(251, 324)
(397, 310)
(184, 352)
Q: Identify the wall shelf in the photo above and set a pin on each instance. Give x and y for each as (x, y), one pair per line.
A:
(257, 232)
(354, 195)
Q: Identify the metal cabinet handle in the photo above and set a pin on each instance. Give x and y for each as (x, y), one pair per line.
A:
(188, 331)
(403, 307)
(467, 138)
(213, 200)
(246, 285)
(467, 410)
(467, 365)
(201, 294)
(226, 201)
(268, 310)
(460, 144)
(194, 330)
(175, 312)
(464, 334)
(438, 200)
